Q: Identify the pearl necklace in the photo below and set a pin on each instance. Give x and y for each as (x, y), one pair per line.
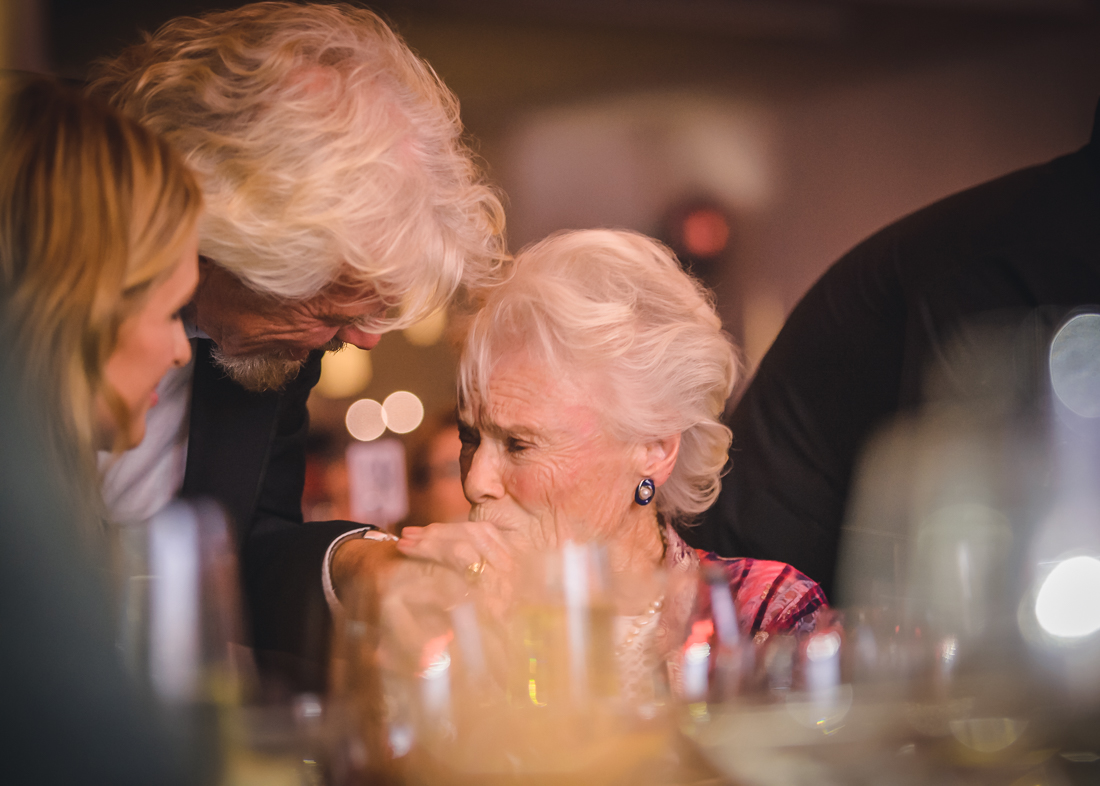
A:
(641, 622)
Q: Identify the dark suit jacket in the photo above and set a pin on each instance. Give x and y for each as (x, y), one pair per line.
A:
(247, 451)
(858, 346)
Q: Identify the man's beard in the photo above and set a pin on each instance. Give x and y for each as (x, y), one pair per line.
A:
(259, 373)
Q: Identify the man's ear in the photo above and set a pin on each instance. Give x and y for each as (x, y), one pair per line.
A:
(660, 458)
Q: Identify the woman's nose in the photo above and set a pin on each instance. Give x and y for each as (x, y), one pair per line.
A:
(181, 354)
(482, 482)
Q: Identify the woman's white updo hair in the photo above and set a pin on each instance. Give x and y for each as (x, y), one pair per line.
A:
(618, 305)
(327, 151)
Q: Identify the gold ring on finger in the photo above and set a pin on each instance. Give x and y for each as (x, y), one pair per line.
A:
(475, 569)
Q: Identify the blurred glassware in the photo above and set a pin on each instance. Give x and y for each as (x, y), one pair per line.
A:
(180, 622)
(796, 719)
(1057, 610)
(720, 673)
(566, 687)
(562, 652)
(181, 634)
(969, 651)
(180, 616)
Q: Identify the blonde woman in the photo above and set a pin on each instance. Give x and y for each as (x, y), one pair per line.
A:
(97, 256)
(98, 239)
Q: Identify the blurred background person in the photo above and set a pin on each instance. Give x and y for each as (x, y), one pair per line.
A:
(430, 462)
(98, 241)
(326, 494)
(435, 475)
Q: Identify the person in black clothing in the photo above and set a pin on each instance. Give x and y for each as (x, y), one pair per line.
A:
(859, 346)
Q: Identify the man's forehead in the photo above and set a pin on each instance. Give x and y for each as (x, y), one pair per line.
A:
(345, 301)
(346, 292)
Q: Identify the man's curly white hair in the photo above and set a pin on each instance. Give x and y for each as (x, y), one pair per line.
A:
(327, 150)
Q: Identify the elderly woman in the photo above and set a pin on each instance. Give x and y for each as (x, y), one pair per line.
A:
(591, 386)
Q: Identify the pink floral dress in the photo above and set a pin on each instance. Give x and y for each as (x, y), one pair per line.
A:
(768, 599)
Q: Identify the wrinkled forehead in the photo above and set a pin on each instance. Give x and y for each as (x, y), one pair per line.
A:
(388, 302)
(357, 300)
(520, 380)
(480, 367)
(348, 293)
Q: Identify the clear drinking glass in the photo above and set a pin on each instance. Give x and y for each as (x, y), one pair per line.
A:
(180, 625)
(181, 636)
(180, 615)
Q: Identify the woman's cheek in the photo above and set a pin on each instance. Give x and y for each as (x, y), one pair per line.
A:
(538, 487)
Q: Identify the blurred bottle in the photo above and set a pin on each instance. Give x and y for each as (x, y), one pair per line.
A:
(180, 629)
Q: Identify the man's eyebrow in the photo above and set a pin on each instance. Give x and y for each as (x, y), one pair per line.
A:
(340, 319)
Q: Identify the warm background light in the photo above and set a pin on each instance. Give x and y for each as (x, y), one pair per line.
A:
(344, 373)
(428, 330)
(705, 232)
(365, 420)
(402, 411)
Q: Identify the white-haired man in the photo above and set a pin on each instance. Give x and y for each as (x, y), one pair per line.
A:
(341, 203)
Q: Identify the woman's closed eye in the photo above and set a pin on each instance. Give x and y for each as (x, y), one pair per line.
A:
(515, 445)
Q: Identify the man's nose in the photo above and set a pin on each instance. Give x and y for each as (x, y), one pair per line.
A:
(358, 338)
(482, 482)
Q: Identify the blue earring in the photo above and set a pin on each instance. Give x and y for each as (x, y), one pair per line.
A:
(643, 495)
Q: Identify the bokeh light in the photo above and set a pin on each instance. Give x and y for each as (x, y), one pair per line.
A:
(428, 330)
(344, 373)
(365, 420)
(987, 735)
(1066, 603)
(1075, 365)
(823, 646)
(402, 411)
(705, 232)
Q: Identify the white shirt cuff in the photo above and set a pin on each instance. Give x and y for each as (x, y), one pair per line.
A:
(366, 533)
